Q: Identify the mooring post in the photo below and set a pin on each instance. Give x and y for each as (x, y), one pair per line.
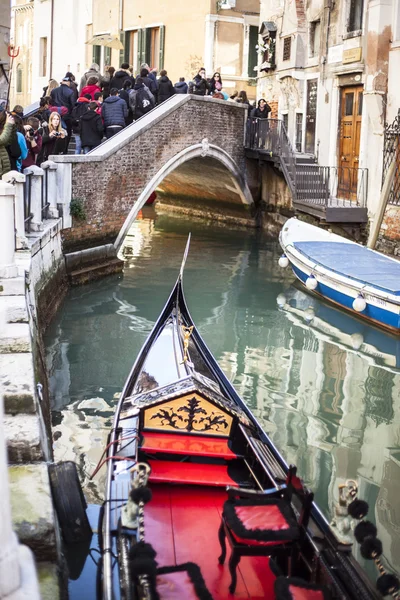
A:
(18, 179)
(8, 267)
(36, 175)
(50, 175)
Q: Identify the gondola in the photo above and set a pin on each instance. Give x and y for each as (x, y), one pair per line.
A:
(199, 503)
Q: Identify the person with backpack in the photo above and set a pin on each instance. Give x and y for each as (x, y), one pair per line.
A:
(80, 108)
(91, 128)
(165, 87)
(114, 112)
(141, 99)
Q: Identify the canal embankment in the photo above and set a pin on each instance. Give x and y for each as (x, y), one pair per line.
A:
(32, 286)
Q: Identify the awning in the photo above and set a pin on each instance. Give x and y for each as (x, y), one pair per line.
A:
(107, 40)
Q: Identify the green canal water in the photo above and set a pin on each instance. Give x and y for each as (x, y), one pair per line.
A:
(325, 386)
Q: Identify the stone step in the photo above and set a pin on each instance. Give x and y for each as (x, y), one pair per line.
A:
(23, 438)
(15, 337)
(48, 581)
(18, 383)
(32, 509)
(14, 309)
(14, 286)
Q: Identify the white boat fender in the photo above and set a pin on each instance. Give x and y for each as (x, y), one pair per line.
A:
(359, 304)
(309, 314)
(311, 283)
(281, 300)
(283, 261)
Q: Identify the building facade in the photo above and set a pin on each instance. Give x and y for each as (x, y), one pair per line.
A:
(5, 24)
(331, 66)
(221, 36)
(50, 41)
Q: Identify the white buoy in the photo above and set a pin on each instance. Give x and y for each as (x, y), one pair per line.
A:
(359, 304)
(309, 314)
(283, 262)
(281, 300)
(311, 283)
(357, 340)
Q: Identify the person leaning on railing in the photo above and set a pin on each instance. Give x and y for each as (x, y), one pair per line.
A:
(262, 110)
(7, 132)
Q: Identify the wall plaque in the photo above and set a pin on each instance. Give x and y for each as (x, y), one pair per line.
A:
(351, 55)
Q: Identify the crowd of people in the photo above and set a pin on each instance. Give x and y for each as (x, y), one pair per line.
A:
(101, 105)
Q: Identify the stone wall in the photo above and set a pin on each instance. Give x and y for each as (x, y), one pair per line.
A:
(389, 237)
(109, 181)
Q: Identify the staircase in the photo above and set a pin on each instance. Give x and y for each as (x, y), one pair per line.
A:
(314, 188)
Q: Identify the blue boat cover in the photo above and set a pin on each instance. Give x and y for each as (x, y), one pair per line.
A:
(356, 262)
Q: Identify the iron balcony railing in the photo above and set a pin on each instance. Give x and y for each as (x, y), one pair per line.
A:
(391, 152)
(309, 182)
(331, 186)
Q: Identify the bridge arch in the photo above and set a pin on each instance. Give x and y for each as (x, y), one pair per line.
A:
(203, 149)
(166, 145)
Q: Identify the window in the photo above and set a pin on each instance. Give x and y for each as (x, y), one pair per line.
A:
(96, 57)
(107, 56)
(356, 8)
(287, 45)
(19, 79)
(43, 57)
(285, 118)
(299, 131)
(315, 37)
(253, 57)
(148, 44)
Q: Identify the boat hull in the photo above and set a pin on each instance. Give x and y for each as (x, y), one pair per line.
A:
(382, 309)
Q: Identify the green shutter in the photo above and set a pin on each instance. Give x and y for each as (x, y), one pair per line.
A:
(253, 56)
(162, 44)
(122, 37)
(127, 47)
(139, 50)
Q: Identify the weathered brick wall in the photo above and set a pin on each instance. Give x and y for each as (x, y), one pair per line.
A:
(110, 188)
(389, 237)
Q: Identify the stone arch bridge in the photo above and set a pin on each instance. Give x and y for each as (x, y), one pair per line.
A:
(189, 148)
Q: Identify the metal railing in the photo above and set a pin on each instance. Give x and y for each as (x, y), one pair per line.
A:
(309, 182)
(391, 151)
(331, 186)
(27, 202)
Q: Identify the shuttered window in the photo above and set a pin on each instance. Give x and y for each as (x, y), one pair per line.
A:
(287, 46)
(253, 56)
(96, 56)
(107, 56)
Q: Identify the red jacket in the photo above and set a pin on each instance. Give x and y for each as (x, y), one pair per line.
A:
(32, 152)
(90, 89)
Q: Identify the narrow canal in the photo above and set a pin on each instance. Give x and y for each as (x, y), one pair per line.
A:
(325, 386)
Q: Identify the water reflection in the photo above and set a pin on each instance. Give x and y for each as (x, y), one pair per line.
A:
(329, 399)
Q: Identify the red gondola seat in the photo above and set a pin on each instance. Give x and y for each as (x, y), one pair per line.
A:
(182, 581)
(262, 524)
(293, 588)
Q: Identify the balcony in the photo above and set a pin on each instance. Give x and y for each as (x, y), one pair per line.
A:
(333, 194)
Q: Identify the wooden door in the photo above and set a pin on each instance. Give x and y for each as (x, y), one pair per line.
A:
(349, 143)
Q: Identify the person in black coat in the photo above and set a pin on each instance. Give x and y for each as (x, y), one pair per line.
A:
(165, 87)
(114, 112)
(141, 100)
(120, 77)
(262, 111)
(201, 85)
(181, 87)
(64, 96)
(149, 82)
(91, 128)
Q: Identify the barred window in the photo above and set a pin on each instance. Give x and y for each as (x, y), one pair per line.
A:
(287, 45)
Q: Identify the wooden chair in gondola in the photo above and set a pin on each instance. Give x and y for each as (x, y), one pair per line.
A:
(263, 523)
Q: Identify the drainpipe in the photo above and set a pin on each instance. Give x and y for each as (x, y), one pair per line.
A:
(121, 15)
(51, 38)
